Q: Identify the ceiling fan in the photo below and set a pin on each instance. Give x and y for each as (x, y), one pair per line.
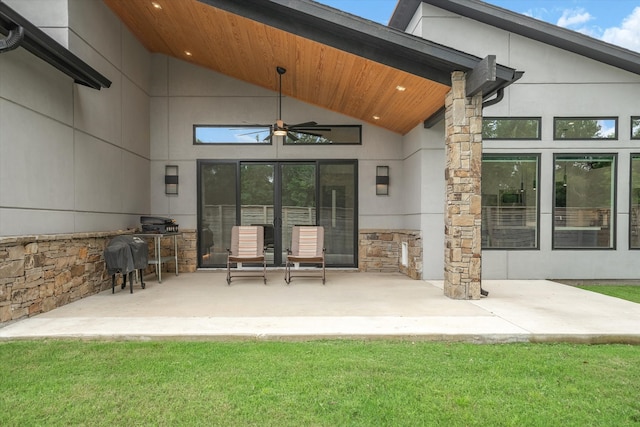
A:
(280, 128)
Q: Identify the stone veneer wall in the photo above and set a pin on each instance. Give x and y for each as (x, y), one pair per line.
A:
(40, 273)
(381, 251)
(463, 215)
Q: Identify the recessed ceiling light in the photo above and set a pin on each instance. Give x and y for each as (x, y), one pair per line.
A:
(156, 5)
(376, 117)
(400, 88)
(186, 52)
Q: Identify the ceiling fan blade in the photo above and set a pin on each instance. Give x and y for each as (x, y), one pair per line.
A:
(292, 136)
(310, 133)
(312, 129)
(305, 124)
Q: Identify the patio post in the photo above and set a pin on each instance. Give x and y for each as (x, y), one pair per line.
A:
(463, 243)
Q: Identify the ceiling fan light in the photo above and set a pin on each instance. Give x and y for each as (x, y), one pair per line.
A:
(280, 132)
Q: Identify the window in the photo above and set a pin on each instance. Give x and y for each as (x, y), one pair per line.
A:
(635, 127)
(585, 128)
(583, 212)
(511, 128)
(324, 135)
(225, 134)
(509, 201)
(634, 203)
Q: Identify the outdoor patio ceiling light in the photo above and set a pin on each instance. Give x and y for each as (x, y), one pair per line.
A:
(382, 180)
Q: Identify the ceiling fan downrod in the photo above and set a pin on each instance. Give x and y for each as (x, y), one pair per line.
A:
(281, 71)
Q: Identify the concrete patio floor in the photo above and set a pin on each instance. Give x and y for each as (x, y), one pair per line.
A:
(351, 305)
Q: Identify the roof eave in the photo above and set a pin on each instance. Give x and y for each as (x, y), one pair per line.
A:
(528, 27)
(46, 48)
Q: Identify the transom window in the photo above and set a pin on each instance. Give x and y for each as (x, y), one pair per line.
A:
(511, 128)
(231, 134)
(510, 201)
(585, 128)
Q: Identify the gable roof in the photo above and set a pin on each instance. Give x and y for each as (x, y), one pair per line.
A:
(532, 28)
(335, 60)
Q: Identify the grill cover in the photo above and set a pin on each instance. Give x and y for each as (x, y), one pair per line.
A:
(124, 254)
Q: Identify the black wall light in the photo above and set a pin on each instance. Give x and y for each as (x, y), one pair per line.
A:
(171, 179)
(382, 180)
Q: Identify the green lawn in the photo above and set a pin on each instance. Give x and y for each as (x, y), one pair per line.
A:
(317, 383)
(628, 292)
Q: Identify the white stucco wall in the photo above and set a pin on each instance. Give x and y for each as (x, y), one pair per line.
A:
(556, 83)
(74, 159)
(184, 94)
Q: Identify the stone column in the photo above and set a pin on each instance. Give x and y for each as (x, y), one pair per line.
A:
(463, 243)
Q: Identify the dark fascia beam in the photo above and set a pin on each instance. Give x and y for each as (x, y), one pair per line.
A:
(358, 36)
(482, 77)
(403, 14)
(46, 48)
(488, 87)
(534, 29)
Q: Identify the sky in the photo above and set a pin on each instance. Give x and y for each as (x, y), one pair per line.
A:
(613, 21)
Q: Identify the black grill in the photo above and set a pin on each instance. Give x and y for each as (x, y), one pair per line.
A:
(124, 255)
(158, 224)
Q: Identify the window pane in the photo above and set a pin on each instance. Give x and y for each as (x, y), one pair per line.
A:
(511, 128)
(509, 202)
(209, 134)
(585, 128)
(325, 134)
(218, 212)
(635, 127)
(634, 206)
(584, 197)
(338, 211)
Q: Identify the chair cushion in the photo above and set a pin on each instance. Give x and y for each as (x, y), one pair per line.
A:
(247, 241)
(308, 243)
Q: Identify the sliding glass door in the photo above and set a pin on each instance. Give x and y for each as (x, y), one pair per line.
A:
(277, 195)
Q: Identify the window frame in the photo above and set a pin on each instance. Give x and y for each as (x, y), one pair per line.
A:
(538, 119)
(596, 118)
(267, 142)
(516, 156)
(630, 195)
(614, 202)
(637, 118)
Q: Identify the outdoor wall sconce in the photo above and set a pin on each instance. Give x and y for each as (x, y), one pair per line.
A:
(171, 179)
(382, 180)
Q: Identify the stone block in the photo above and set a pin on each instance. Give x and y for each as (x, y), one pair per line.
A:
(77, 270)
(62, 279)
(5, 313)
(16, 252)
(463, 220)
(13, 268)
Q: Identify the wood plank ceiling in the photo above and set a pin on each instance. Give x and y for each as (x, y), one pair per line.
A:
(250, 51)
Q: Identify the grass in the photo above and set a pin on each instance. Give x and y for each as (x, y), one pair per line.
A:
(317, 383)
(627, 292)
